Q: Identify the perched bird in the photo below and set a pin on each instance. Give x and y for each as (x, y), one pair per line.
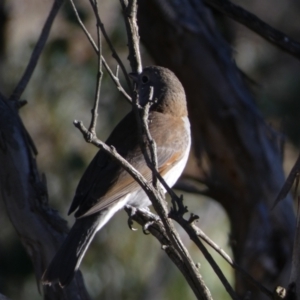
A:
(106, 187)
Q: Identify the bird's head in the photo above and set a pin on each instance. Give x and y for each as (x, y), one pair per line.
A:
(162, 88)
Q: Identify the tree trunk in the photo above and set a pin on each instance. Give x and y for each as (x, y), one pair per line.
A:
(245, 162)
(24, 193)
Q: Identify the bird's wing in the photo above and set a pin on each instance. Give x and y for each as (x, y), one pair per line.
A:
(106, 182)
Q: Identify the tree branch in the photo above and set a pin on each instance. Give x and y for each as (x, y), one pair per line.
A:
(108, 41)
(272, 35)
(129, 12)
(39, 46)
(92, 128)
(288, 182)
(233, 264)
(156, 228)
(115, 78)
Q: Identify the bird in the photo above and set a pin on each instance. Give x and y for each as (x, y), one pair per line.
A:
(106, 187)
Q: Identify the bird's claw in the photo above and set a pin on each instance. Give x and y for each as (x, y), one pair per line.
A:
(146, 226)
(131, 213)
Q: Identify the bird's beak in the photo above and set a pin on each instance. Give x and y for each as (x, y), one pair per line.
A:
(134, 76)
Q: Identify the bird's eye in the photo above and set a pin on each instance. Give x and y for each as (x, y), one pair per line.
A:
(145, 79)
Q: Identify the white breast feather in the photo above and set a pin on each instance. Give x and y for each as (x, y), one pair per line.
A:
(172, 176)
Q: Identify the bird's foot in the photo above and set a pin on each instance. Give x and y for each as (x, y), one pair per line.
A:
(151, 218)
(131, 212)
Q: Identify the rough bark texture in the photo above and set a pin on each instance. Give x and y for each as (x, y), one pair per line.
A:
(242, 152)
(24, 193)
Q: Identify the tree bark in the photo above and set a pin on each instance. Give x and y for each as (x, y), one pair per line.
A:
(24, 193)
(243, 154)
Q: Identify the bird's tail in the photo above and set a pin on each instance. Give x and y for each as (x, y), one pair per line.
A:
(67, 260)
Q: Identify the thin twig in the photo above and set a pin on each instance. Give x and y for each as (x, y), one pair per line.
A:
(232, 263)
(217, 270)
(113, 50)
(151, 143)
(288, 182)
(36, 53)
(92, 128)
(274, 36)
(116, 80)
(92, 42)
(146, 141)
(141, 114)
(186, 225)
(88, 35)
(129, 12)
(115, 155)
(195, 233)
